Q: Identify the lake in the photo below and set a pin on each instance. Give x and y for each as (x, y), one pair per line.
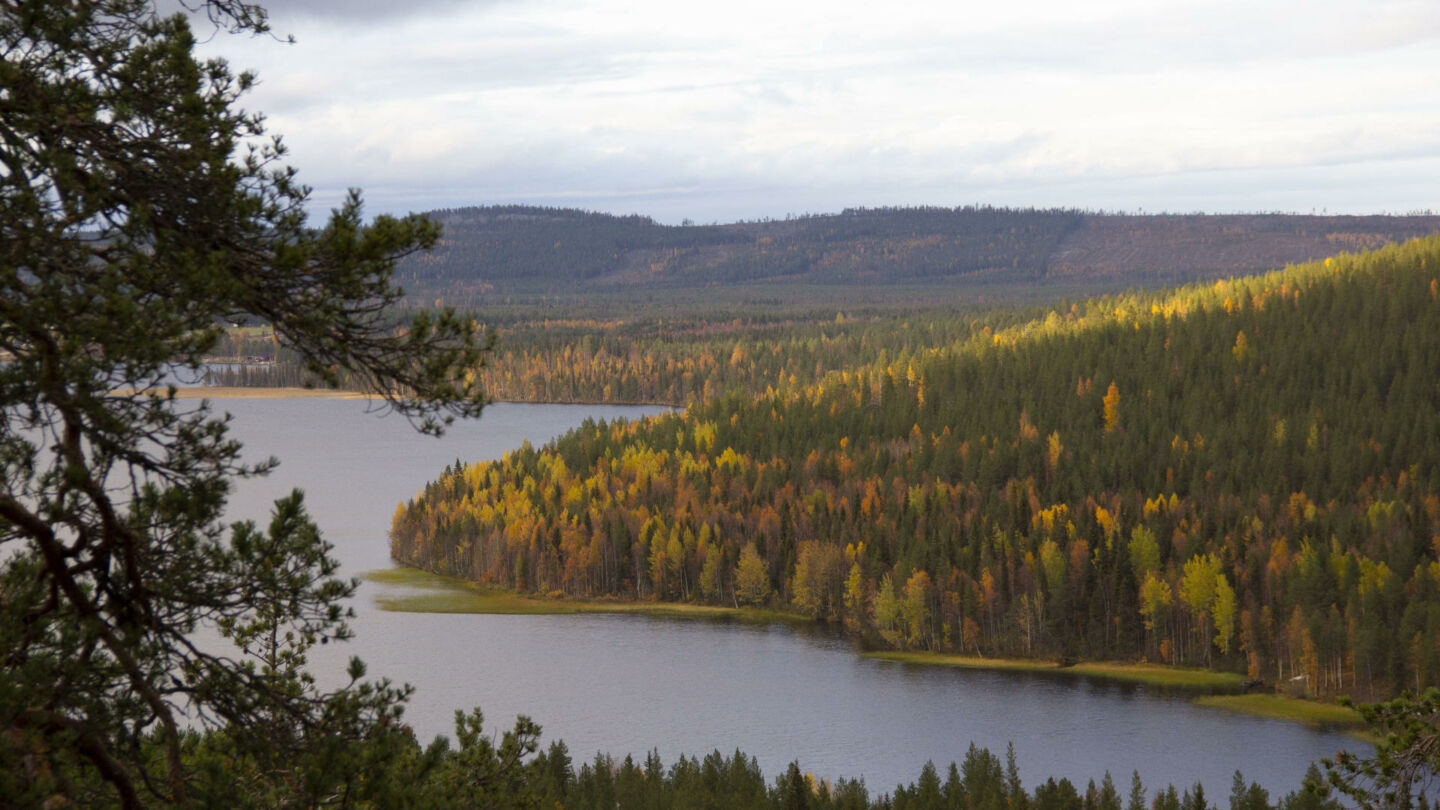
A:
(628, 684)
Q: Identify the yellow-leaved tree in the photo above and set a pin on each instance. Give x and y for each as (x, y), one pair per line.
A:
(1155, 599)
(1111, 404)
(752, 581)
(1198, 590)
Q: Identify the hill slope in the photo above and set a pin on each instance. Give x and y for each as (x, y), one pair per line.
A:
(510, 249)
(1244, 473)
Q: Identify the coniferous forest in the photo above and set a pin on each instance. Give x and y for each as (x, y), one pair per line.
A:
(490, 253)
(978, 782)
(1240, 474)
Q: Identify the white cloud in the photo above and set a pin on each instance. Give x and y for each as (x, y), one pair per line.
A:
(762, 108)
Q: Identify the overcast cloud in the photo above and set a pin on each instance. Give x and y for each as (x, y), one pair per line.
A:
(752, 109)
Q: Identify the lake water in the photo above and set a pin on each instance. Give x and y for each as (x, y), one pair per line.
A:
(625, 684)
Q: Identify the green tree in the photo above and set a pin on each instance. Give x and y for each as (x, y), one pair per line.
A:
(1136, 801)
(793, 789)
(1144, 552)
(1194, 798)
(983, 779)
(1224, 612)
(1315, 793)
(1166, 799)
(710, 572)
(1248, 797)
(1406, 764)
(1014, 790)
(887, 608)
(134, 219)
(1109, 797)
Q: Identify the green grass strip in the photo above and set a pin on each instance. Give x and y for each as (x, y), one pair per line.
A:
(1279, 707)
(432, 593)
(1151, 674)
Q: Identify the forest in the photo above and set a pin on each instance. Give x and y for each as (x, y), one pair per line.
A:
(514, 247)
(588, 307)
(1239, 474)
(675, 360)
(979, 782)
(390, 768)
(575, 318)
(978, 487)
(492, 255)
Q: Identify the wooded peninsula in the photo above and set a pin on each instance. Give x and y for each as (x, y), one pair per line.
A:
(1238, 474)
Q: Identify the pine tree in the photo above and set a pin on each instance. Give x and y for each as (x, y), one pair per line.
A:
(133, 220)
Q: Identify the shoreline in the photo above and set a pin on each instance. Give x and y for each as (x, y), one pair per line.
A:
(1222, 687)
(248, 392)
(1147, 674)
(1274, 706)
(296, 392)
(435, 593)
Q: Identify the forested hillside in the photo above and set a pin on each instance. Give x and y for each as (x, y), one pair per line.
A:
(515, 248)
(632, 354)
(489, 253)
(1241, 473)
(596, 308)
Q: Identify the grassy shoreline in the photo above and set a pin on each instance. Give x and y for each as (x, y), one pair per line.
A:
(1312, 713)
(1149, 674)
(432, 593)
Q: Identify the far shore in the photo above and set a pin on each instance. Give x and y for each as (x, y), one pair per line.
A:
(1146, 673)
(296, 392)
(432, 593)
(252, 392)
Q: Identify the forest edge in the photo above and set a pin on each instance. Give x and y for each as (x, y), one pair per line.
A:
(417, 591)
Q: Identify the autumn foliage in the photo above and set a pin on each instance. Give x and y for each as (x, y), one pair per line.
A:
(1113, 479)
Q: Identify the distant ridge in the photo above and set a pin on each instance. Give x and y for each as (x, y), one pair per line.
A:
(523, 249)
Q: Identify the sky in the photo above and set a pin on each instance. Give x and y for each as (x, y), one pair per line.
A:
(717, 112)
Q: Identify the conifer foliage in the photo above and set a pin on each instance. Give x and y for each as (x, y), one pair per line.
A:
(1242, 474)
(133, 219)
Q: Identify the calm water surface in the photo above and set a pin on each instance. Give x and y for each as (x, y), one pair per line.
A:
(627, 684)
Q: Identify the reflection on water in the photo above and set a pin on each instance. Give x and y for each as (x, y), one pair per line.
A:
(627, 684)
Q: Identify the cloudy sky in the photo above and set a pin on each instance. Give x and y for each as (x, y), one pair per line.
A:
(761, 108)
